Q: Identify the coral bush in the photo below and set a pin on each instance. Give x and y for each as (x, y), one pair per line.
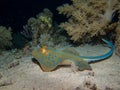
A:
(54, 40)
(42, 31)
(88, 18)
(5, 37)
(39, 25)
(46, 40)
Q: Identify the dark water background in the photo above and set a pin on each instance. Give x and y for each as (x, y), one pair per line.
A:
(15, 13)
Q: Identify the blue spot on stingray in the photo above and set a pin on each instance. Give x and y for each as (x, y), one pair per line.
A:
(59, 60)
(42, 59)
(53, 62)
(47, 64)
(79, 64)
(55, 56)
(48, 57)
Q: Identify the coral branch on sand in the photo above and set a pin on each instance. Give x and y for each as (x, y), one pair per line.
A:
(88, 18)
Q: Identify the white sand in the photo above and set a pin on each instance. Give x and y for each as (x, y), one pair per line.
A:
(29, 76)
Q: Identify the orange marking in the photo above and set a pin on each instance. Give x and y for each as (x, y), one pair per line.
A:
(43, 50)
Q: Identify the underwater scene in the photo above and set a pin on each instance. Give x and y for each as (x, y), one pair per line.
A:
(60, 45)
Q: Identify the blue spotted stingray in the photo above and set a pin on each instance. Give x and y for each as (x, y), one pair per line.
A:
(49, 58)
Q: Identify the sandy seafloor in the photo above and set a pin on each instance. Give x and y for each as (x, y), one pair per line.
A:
(105, 75)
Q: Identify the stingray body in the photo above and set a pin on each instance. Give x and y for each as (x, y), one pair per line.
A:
(50, 58)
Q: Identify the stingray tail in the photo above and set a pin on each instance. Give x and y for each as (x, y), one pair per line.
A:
(101, 57)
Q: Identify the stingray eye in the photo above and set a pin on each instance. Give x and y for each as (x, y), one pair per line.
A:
(43, 50)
